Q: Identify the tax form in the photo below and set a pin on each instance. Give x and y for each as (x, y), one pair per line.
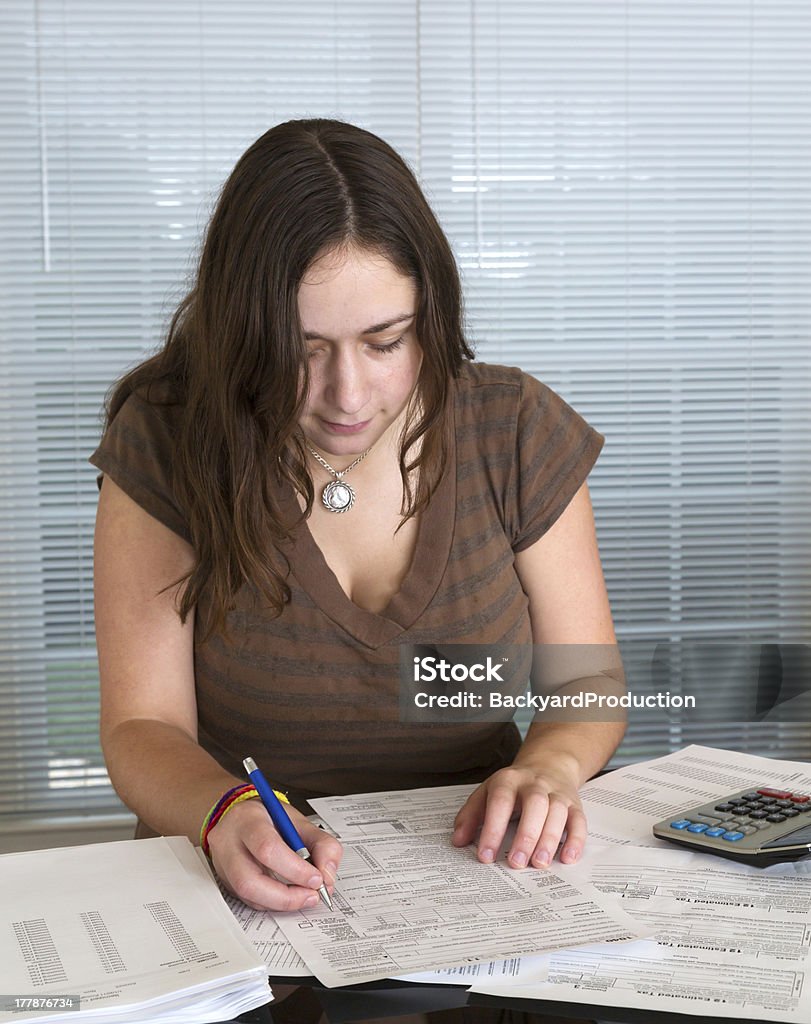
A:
(407, 900)
(728, 940)
(623, 805)
(393, 812)
(267, 939)
(281, 958)
(732, 962)
(276, 951)
(621, 808)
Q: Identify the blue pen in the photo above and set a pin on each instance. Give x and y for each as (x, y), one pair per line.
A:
(278, 815)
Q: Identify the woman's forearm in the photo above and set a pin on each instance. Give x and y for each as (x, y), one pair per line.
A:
(164, 776)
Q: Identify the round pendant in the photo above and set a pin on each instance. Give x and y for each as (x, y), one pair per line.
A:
(338, 496)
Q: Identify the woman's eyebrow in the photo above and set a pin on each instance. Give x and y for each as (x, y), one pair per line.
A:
(374, 329)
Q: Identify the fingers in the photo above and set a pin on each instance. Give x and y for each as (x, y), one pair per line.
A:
(325, 852)
(545, 818)
(575, 836)
(546, 812)
(257, 889)
(245, 848)
(467, 821)
(541, 819)
(501, 802)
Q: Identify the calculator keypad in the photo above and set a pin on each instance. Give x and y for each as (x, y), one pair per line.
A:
(753, 819)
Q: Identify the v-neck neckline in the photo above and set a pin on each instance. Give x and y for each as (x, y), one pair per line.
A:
(432, 548)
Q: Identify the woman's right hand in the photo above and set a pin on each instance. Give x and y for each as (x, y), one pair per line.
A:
(245, 848)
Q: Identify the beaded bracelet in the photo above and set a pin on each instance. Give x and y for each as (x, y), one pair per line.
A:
(224, 804)
(227, 800)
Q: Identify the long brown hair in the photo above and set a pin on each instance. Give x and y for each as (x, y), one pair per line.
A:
(235, 356)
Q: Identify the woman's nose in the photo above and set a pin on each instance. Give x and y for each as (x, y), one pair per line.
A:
(346, 385)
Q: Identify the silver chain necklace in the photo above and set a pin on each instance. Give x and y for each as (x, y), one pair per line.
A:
(338, 495)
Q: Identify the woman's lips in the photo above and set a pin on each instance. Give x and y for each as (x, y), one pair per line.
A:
(345, 428)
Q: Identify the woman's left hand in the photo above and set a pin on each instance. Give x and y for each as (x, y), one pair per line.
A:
(546, 800)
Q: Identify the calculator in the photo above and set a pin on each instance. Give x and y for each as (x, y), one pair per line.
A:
(761, 826)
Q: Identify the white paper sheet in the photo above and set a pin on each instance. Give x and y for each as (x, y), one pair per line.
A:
(125, 926)
(268, 940)
(514, 971)
(730, 941)
(406, 903)
(393, 812)
(277, 951)
(621, 808)
(623, 805)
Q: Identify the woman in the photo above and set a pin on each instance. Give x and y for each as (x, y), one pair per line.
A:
(251, 599)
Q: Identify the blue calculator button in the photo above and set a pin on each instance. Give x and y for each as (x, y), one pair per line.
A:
(697, 827)
(733, 837)
(715, 832)
(682, 823)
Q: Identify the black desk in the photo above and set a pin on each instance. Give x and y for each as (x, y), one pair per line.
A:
(379, 998)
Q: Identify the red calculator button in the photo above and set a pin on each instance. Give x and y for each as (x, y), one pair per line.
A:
(799, 799)
(777, 794)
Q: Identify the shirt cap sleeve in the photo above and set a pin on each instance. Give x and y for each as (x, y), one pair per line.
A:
(555, 451)
(136, 453)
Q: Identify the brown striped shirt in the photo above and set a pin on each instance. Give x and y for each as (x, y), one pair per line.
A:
(312, 695)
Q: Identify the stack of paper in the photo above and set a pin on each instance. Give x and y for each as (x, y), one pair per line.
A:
(126, 932)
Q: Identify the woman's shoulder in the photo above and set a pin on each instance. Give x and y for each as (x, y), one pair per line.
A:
(160, 394)
(498, 403)
(142, 431)
(483, 375)
(530, 447)
(137, 451)
(481, 385)
(150, 407)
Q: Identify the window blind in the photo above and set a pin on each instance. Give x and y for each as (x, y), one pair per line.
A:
(626, 188)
